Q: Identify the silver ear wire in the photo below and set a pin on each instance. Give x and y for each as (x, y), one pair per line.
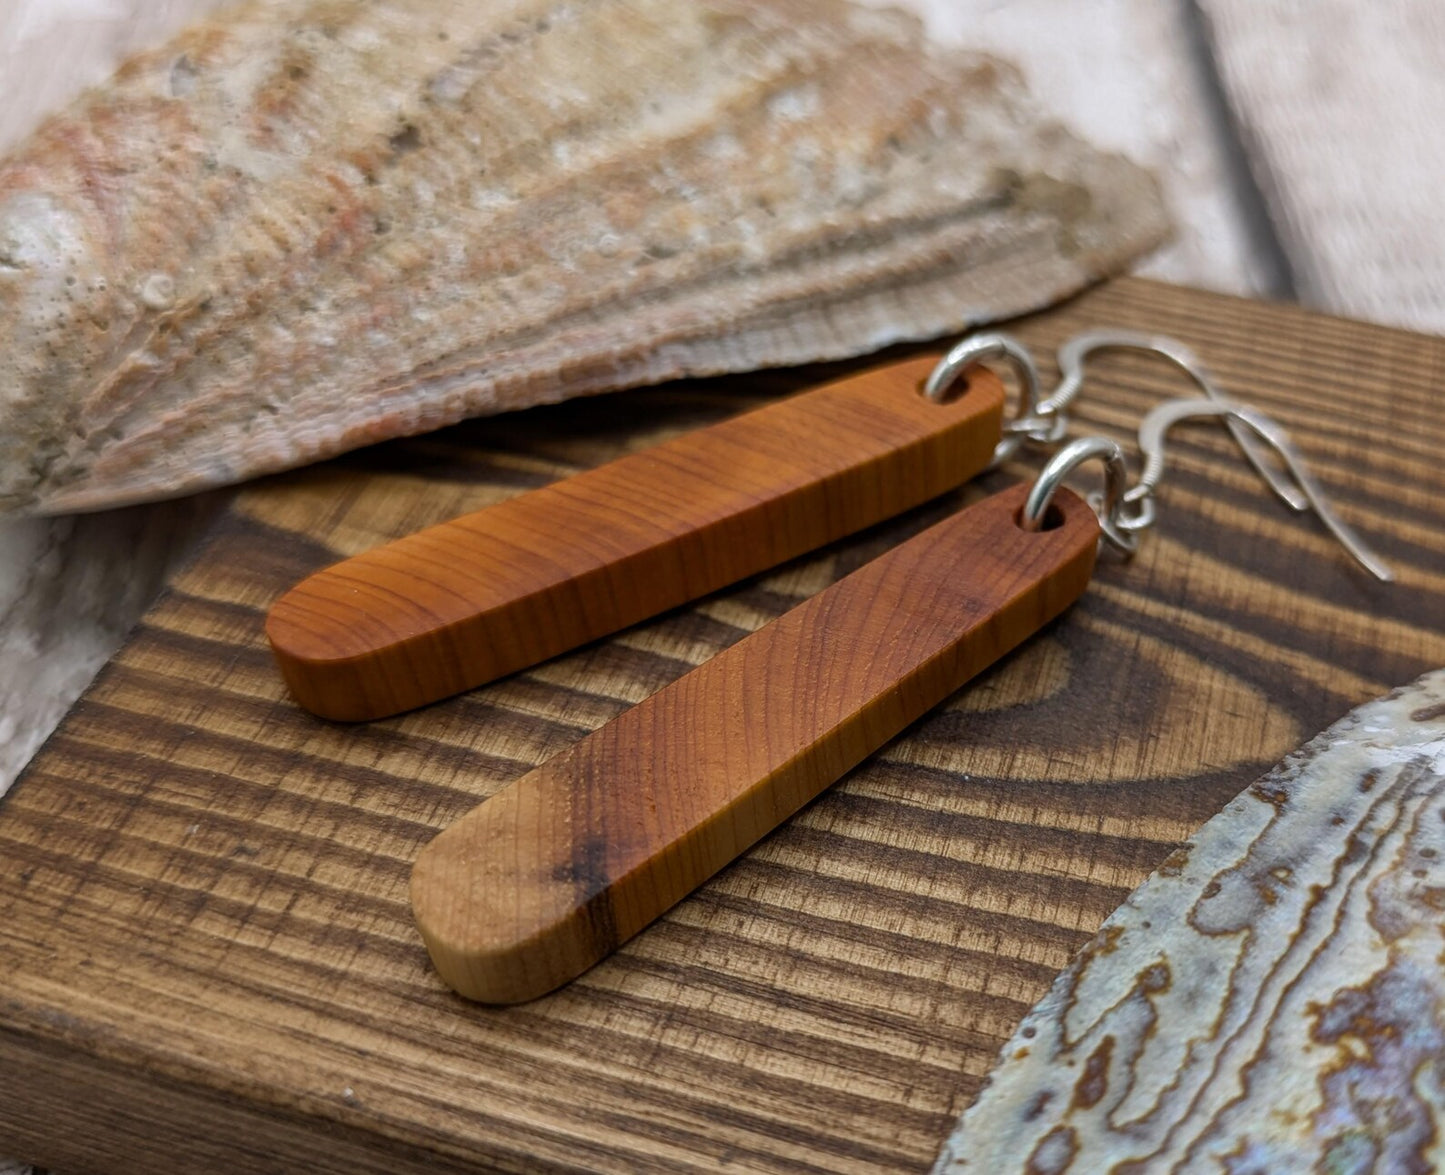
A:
(1116, 480)
(1074, 353)
(1030, 423)
(1124, 513)
(1155, 428)
(1044, 420)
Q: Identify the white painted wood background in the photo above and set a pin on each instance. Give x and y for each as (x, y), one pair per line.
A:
(1300, 144)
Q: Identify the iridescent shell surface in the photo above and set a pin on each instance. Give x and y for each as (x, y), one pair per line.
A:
(1271, 1000)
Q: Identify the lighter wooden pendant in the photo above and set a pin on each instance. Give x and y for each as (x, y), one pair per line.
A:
(1271, 1000)
(557, 870)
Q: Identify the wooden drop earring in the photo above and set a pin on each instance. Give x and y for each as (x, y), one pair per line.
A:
(555, 871)
(463, 603)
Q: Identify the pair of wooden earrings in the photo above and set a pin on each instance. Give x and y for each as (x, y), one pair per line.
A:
(555, 871)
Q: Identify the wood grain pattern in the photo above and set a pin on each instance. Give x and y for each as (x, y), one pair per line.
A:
(475, 598)
(555, 872)
(207, 955)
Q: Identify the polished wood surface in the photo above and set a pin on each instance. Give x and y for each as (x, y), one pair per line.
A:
(556, 871)
(475, 598)
(207, 954)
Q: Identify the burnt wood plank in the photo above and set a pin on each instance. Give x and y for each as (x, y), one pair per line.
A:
(205, 936)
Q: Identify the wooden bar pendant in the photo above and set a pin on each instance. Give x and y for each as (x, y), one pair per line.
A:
(460, 604)
(551, 874)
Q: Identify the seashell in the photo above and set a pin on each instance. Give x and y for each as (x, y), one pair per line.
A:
(308, 225)
(1271, 999)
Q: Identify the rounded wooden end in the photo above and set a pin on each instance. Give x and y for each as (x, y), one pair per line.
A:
(502, 928)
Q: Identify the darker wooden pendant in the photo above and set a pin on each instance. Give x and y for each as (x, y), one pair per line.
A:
(554, 872)
(471, 600)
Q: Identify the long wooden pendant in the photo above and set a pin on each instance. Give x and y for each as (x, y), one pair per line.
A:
(555, 871)
(460, 604)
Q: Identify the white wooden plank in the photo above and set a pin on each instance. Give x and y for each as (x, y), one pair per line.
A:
(1122, 73)
(70, 589)
(1341, 105)
(51, 50)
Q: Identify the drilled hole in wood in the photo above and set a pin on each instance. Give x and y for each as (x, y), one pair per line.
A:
(956, 390)
(1053, 518)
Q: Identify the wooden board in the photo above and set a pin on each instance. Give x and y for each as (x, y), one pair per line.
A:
(1130, 76)
(207, 960)
(1338, 106)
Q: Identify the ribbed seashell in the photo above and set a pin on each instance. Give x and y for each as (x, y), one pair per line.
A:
(308, 225)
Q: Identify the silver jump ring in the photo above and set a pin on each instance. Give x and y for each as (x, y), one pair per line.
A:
(1146, 513)
(989, 348)
(1039, 430)
(1063, 463)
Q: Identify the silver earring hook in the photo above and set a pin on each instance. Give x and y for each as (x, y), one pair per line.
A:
(1151, 444)
(1030, 423)
(1035, 513)
(1074, 354)
(1122, 528)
